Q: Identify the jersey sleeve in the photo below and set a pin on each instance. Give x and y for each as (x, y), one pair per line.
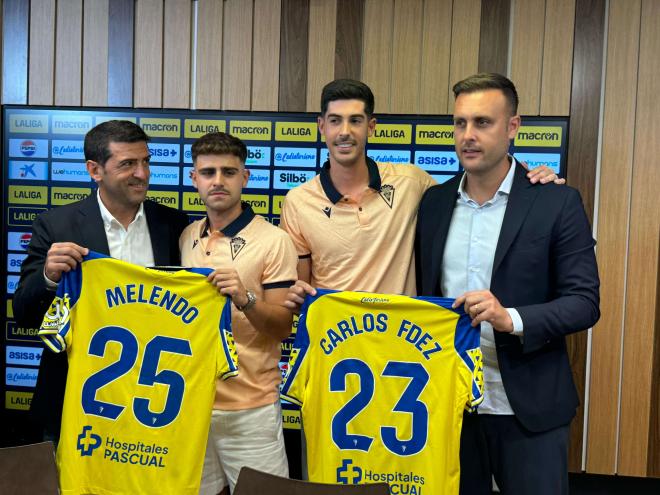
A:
(297, 375)
(56, 331)
(289, 221)
(280, 267)
(467, 345)
(227, 362)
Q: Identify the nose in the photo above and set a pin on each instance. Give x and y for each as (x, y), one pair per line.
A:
(468, 132)
(344, 129)
(142, 171)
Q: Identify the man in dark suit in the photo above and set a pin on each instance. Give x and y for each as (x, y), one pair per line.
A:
(520, 259)
(115, 220)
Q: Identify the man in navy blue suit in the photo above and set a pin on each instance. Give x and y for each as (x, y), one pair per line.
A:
(520, 259)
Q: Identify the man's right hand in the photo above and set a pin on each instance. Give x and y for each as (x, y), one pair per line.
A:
(63, 257)
(296, 295)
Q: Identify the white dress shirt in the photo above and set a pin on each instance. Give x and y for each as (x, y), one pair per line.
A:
(467, 265)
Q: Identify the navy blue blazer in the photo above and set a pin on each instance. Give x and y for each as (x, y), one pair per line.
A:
(545, 267)
(79, 222)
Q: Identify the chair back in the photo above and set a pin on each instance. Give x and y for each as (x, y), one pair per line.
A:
(28, 469)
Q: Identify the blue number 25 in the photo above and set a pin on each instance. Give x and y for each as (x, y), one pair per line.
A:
(408, 403)
(148, 375)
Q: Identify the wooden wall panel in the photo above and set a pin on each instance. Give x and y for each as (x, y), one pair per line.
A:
(148, 87)
(293, 55)
(208, 75)
(618, 137)
(95, 53)
(436, 45)
(406, 56)
(557, 57)
(527, 53)
(321, 51)
(237, 48)
(176, 53)
(377, 50)
(41, 61)
(348, 48)
(121, 15)
(266, 54)
(466, 22)
(16, 19)
(494, 36)
(582, 164)
(642, 276)
(68, 53)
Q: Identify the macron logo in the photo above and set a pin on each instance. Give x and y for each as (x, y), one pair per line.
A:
(327, 210)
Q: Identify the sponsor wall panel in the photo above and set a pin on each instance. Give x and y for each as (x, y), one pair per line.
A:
(44, 167)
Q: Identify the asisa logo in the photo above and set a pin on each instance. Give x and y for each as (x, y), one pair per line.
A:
(28, 147)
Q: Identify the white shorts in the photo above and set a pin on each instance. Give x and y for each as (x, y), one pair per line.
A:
(252, 437)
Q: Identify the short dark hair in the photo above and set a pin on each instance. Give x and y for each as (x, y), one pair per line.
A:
(489, 80)
(347, 89)
(98, 139)
(219, 143)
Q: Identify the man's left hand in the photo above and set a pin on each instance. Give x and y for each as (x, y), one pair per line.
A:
(482, 305)
(543, 174)
(228, 283)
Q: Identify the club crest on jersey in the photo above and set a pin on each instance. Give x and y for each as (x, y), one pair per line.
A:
(327, 210)
(387, 193)
(237, 244)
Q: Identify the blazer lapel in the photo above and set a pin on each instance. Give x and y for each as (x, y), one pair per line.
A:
(90, 225)
(522, 195)
(445, 211)
(158, 231)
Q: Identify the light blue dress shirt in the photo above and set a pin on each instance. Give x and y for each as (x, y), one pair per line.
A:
(467, 265)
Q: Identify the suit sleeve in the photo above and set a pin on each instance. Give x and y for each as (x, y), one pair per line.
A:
(32, 298)
(574, 298)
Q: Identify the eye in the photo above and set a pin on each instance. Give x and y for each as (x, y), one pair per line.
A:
(483, 122)
(459, 123)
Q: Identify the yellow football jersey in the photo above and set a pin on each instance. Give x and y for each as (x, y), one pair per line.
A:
(144, 348)
(383, 381)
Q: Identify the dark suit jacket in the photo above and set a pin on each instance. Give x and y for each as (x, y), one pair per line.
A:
(544, 267)
(81, 223)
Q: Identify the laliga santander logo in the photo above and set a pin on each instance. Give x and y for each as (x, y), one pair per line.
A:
(24, 241)
(28, 148)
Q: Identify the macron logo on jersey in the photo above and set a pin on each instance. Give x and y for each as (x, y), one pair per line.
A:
(327, 210)
(347, 474)
(88, 441)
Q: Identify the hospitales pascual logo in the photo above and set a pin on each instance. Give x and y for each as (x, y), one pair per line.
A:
(295, 131)
(389, 156)
(349, 474)
(69, 172)
(164, 176)
(18, 241)
(30, 195)
(258, 155)
(250, 130)
(392, 134)
(288, 179)
(546, 136)
(295, 157)
(437, 161)
(259, 179)
(434, 134)
(87, 442)
(194, 128)
(71, 124)
(170, 128)
(28, 148)
(21, 170)
(14, 262)
(165, 152)
(68, 150)
(32, 123)
(65, 195)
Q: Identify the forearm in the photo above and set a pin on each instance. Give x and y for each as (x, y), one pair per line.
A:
(270, 319)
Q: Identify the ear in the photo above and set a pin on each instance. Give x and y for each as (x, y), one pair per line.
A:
(371, 125)
(321, 123)
(94, 170)
(246, 176)
(514, 126)
(193, 177)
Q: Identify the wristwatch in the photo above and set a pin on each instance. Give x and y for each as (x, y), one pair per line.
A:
(251, 301)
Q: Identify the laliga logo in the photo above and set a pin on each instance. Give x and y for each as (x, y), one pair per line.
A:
(347, 474)
(24, 241)
(88, 442)
(28, 148)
